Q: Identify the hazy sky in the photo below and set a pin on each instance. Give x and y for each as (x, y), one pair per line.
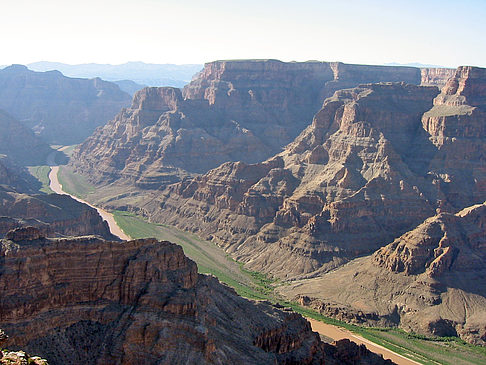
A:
(442, 32)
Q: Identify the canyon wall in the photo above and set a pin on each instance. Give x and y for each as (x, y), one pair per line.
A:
(84, 300)
(429, 281)
(54, 214)
(231, 111)
(376, 161)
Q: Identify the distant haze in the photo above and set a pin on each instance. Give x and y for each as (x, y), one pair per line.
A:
(141, 73)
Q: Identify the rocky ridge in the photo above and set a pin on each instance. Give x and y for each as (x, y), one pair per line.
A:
(45, 101)
(54, 214)
(372, 165)
(231, 111)
(429, 280)
(84, 300)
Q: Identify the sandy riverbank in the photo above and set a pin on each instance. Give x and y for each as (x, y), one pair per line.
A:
(338, 333)
(108, 217)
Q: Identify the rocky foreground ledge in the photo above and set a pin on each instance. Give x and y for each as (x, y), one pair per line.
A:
(88, 301)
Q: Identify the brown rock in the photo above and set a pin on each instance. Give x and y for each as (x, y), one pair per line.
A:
(137, 302)
(436, 76)
(53, 214)
(231, 111)
(290, 217)
(427, 281)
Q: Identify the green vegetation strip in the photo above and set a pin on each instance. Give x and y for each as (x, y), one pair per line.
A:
(41, 173)
(73, 183)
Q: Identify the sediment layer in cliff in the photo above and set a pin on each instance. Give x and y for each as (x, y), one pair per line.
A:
(231, 111)
(89, 301)
(54, 214)
(370, 167)
(429, 280)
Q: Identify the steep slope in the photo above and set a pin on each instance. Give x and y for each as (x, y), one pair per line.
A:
(60, 109)
(20, 143)
(90, 301)
(54, 214)
(375, 162)
(232, 110)
(430, 280)
(436, 76)
(342, 188)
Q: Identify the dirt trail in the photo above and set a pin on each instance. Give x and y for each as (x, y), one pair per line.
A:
(108, 217)
(338, 333)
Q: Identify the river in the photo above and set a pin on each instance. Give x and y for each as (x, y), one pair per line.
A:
(108, 217)
(334, 332)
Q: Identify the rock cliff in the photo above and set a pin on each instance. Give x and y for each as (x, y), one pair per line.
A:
(436, 76)
(429, 280)
(345, 186)
(374, 163)
(231, 111)
(62, 110)
(89, 301)
(54, 214)
(17, 177)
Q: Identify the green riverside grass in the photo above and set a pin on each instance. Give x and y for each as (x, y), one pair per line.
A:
(254, 285)
(41, 173)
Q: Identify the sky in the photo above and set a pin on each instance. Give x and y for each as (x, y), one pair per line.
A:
(439, 32)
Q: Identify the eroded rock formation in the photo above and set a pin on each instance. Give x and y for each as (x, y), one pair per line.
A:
(20, 144)
(231, 111)
(430, 280)
(54, 214)
(89, 301)
(373, 164)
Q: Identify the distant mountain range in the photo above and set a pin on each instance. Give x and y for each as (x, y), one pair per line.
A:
(141, 73)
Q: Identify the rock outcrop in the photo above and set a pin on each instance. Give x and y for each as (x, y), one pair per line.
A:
(62, 110)
(436, 76)
(346, 185)
(374, 163)
(88, 301)
(54, 214)
(429, 280)
(17, 177)
(231, 111)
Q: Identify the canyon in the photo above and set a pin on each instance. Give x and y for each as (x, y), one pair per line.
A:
(85, 300)
(231, 111)
(358, 191)
(377, 161)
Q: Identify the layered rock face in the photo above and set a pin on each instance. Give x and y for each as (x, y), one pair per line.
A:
(345, 186)
(54, 214)
(231, 111)
(370, 167)
(62, 110)
(436, 76)
(90, 301)
(20, 144)
(429, 280)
